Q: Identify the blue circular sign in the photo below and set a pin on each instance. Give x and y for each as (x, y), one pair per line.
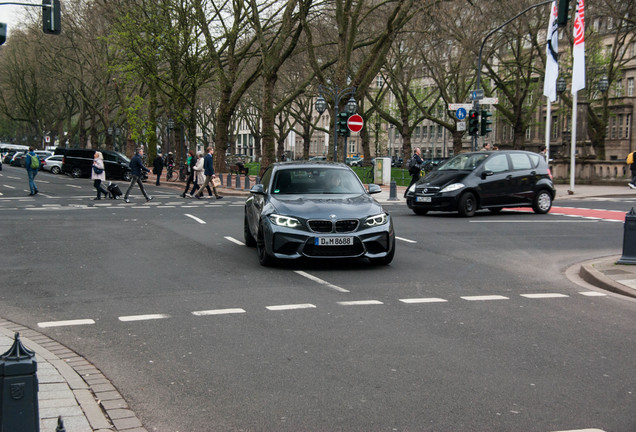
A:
(460, 114)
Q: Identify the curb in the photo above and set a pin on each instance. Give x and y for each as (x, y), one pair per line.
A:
(591, 275)
(104, 408)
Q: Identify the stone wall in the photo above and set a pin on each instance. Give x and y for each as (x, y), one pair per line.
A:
(591, 171)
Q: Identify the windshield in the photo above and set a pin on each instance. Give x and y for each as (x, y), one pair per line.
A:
(466, 161)
(316, 181)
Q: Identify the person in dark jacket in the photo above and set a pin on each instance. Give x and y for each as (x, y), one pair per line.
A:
(31, 172)
(190, 162)
(415, 170)
(137, 169)
(208, 170)
(157, 167)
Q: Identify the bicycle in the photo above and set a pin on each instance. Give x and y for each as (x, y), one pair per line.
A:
(171, 176)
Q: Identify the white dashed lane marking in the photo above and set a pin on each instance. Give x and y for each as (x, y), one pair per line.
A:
(290, 307)
(320, 281)
(143, 317)
(201, 221)
(66, 323)
(219, 312)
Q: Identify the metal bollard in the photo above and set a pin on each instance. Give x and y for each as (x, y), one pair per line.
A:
(19, 384)
(229, 180)
(393, 191)
(60, 425)
(238, 182)
(629, 239)
(247, 183)
(221, 178)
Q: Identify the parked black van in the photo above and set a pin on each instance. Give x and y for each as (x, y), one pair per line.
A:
(79, 163)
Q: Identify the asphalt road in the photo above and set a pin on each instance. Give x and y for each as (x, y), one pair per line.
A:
(473, 327)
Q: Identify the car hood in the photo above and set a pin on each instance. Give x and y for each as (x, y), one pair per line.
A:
(443, 178)
(322, 206)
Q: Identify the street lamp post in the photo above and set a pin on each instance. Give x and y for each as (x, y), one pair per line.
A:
(336, 95)
(170, 127)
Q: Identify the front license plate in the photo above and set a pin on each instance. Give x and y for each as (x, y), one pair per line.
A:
(333, 241)
(423, 199)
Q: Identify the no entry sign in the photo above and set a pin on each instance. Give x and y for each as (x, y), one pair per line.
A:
(355, 123)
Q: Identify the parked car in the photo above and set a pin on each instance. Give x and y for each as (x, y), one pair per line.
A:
(79, 163)
(16, 159)
(430, 164)
(7, 158)
(318, 158)
(316, 210)
(485, 180)
(19, 159)
(53, 164)
(397, 161)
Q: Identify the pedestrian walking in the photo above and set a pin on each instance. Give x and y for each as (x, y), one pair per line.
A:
(192, 159)
(157, 167)
(199, 176)
(415, 167)
(208, 170)
(98, 175)
(137, 169)
(632, 168)
(32, 165)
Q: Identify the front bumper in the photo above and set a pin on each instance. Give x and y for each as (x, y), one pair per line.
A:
(285, 243)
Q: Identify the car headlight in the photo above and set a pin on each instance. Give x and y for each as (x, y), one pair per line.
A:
(284, 221)
(376, 220)
(411, 189)
(452, 187)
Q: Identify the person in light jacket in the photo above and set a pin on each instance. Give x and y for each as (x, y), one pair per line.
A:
(199, 177)
(98, 175)
(208, 170)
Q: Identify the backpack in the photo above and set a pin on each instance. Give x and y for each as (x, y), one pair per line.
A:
(630, 158)
(35, 162)
(412, 165)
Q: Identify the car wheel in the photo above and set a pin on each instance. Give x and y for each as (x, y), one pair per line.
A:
(542, 202)
(55, 170)
(387, 259)
(467, 205)
(127, 176)
(419, 211)
(495, 210)
(249, 238)
(76, 173)
(263, 257)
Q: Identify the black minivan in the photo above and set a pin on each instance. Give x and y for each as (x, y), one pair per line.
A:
(79, 163)
(489, 180)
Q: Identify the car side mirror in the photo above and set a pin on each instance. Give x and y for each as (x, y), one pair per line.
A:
(374, 188)
(486, 173)
(257, 189)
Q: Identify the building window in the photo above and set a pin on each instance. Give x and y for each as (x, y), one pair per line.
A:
(630, 87)
(417, 132)
(528, 133)
(440, 132)
(424, 132)
(628, 120)
(554, 130)
(379, 81)
(619, 88)
(620, 126)
(613, 130)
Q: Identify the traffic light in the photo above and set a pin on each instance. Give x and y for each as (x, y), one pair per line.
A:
(473, 122)
(51, 14)
(485, 122)
(343, 129)
(3, 33)
(562, 13)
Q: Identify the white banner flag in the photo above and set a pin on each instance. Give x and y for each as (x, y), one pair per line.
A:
(551, 54)
(578, 52)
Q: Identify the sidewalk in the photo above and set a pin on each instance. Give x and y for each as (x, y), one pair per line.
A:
(71, 387)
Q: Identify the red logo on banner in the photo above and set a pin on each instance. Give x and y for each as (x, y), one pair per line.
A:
(579, 23)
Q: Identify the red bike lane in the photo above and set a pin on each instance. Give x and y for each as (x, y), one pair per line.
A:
(610, 215)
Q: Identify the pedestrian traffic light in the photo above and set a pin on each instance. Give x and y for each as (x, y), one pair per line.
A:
(562, 13)
(473, 122)
(485, 122)
(342, 127)
(51, 14)
(3, 33)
